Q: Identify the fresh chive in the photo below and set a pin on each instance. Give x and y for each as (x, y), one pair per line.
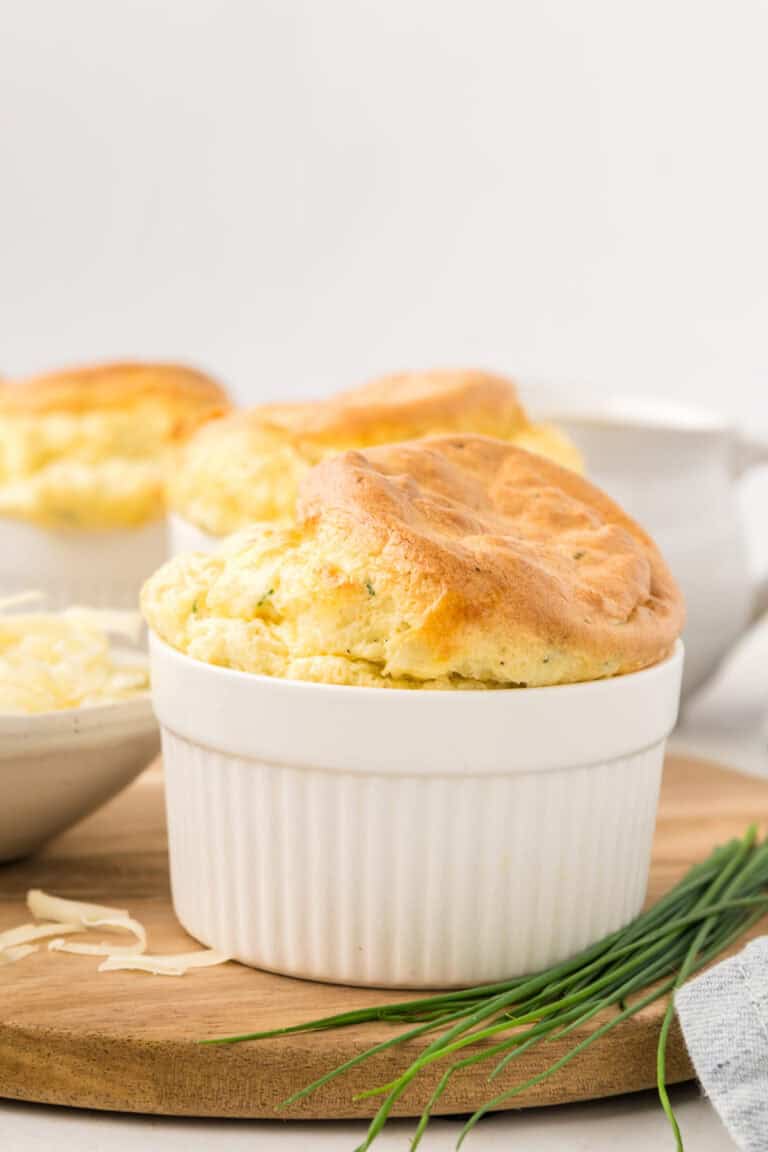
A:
(714, 904)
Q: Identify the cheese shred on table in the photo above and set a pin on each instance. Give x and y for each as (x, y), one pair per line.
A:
(64, 916)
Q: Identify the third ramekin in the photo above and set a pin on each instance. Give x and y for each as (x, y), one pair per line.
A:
(100, 568)
(408, 838)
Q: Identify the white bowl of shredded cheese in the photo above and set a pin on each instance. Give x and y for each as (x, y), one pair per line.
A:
(76, 721)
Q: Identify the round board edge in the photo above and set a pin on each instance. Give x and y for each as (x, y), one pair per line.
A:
(82, 1067)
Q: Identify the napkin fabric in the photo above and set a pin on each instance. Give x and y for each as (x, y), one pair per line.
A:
(724, 1017)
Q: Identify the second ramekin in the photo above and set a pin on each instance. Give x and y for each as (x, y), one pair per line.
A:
(408, 838)
(103, 569)
(184, 536)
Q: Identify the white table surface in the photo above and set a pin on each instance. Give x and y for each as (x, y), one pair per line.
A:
(726, 722)
(631, 1123)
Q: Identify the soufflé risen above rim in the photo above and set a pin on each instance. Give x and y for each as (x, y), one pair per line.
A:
(453, 562)
(87, 447)
(248, 466)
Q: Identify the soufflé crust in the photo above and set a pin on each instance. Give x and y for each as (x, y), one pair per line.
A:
(248, 467)
(120, 385)
(452, 562)
(88, 447)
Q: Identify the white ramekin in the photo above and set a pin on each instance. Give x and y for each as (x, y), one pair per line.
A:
(184, 536)
(408, 838)
(103, 569)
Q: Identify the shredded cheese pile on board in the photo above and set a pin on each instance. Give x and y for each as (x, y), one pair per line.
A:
(64, 917)
(50, 661)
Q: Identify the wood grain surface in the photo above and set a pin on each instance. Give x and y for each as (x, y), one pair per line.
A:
(127, 1041)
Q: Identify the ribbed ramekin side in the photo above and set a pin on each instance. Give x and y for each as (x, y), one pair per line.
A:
(403, 880)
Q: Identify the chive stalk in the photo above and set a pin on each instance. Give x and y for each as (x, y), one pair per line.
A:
(714, 904)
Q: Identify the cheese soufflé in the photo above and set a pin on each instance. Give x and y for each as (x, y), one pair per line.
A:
(458, 561)
(248, 466)
(88, 447)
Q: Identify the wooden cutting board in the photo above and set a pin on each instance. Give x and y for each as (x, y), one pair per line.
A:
(127, 1041)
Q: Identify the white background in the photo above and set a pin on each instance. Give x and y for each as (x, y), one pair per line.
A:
(299, 195)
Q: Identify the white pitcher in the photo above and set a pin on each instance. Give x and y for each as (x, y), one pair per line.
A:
(677, 472)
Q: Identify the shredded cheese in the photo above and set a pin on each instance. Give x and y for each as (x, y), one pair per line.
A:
(63, 917)
(51, 661)
(44, 906)
(76, 948)
(25, 933)
(164, 965)
(19, 952)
